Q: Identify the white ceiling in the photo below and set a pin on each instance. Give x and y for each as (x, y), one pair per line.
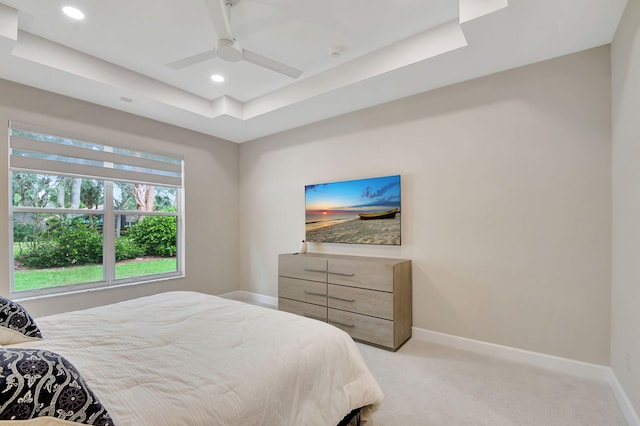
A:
(389, 49)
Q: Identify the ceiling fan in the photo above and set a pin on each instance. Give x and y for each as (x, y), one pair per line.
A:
(227, 48)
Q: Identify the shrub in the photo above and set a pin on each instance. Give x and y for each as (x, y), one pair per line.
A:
(80, 244)
(23, 232)
(156, 234)
(74, 244)
(43, 255)
(126, 248)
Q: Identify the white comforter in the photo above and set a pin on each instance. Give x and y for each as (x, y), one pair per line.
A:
(184, 358)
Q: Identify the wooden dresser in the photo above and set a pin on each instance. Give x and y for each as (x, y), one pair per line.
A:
(368, 297)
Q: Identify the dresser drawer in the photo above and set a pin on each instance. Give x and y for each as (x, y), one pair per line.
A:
(368, 302)
(362, 327)
(303, 267)
(305, 309)
(368, 297)
(371, 275)
(302, 290)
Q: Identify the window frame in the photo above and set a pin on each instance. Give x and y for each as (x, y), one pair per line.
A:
(109, 214)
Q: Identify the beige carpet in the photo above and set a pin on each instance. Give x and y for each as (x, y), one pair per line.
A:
(426, 384)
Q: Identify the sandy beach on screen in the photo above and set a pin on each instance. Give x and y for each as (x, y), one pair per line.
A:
(380, 231)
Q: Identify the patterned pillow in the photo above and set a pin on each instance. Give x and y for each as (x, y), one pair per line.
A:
(16, 325)
(35, 383)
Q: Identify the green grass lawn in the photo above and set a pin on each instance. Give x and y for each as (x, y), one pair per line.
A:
(146, 267)
(29, 279)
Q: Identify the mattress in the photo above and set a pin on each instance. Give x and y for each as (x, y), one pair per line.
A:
(186, 358)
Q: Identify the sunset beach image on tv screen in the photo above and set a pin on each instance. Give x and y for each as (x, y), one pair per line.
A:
(363, 211)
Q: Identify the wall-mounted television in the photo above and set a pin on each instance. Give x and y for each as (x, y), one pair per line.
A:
(363, 211)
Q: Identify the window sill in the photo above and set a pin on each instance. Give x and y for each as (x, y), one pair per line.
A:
(17, 298)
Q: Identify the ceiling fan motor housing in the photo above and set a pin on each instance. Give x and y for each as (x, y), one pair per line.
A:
(229, 50)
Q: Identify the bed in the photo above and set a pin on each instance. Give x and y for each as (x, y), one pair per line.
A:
(186, 358)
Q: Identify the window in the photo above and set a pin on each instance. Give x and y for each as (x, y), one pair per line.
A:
(88, 215)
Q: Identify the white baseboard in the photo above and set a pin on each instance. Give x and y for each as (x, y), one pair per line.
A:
(550, 362)
(249, 297)
(623, 400)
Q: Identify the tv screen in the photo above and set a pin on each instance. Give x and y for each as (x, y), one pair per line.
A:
(363, 211)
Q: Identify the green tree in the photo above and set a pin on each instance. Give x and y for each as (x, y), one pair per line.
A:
(165, 199)
(33, 190)
(91, 194)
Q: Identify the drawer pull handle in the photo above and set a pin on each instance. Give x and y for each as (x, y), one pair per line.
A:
(342, 324)
(315, 317)
(341, 273)
(314, 270)
(342, 299)
(313, 293)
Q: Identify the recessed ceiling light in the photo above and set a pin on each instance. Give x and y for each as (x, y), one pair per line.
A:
(217, 78)
(72, 12)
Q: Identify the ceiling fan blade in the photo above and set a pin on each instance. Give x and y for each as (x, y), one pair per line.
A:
(271, 64)
(220, 18)
(191, 60)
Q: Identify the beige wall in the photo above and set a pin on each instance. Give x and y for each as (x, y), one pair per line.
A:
(211, 190)
(506, 186)
(625, 330)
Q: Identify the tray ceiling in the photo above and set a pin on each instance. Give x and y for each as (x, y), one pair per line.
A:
(352, 54)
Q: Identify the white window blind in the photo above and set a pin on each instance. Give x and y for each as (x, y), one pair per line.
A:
(38, 150)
